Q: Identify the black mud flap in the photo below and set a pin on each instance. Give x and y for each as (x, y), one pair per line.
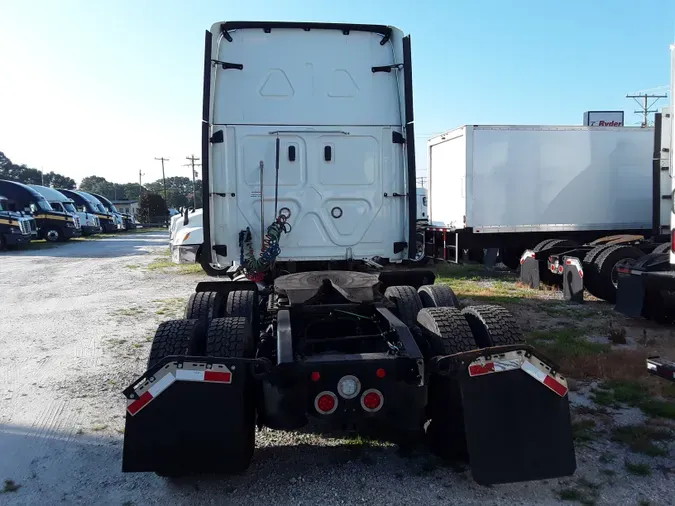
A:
(190, 415)
(529, 272)
(573, 280)
(630, 294)
(517, 419)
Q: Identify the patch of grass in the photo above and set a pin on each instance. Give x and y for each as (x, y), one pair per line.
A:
(582, 430)
(40, 244)
(129, 311)
(617, 334)
(638, 469)
(190, 269)
(132, 266)
(160, 263)
(644, 502)
(10, 486)
(98, 428)
(570, 494)
(658, 408)
(565, 344)
(635, 394)
(640, 439)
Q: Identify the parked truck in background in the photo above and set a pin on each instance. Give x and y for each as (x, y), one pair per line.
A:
(325, 314)
(89, 204)
(506, 189)
(126, 220)
(15, 228)
(88, 222)
(51, 225)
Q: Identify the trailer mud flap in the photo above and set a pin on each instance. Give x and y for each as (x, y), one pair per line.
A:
(573, 280)
(529, 270)
(517, 419)
(189, 415)
(630, 295)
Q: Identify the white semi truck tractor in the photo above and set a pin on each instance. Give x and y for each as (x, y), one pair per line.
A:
(309, 195)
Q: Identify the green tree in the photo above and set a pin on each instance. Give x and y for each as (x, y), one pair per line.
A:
(58, 181)
(152, 208)
(178, 191)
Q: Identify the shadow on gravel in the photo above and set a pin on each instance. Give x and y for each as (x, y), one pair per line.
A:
(122, 246)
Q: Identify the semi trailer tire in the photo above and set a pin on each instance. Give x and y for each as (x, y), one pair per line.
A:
(606, 264)
(492, 326)
(662, 248)
(407, 301)
(232, 337)
(590, 274)
(438, 296)
(177, 337)
(447, 332)
(205, 306)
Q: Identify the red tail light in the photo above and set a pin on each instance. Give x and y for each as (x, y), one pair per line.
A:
(372, 400)
(672, 240)
(325, 403)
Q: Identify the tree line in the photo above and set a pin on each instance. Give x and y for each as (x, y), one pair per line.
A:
(179, 190)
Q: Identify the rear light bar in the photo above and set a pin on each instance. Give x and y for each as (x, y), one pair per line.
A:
(372, 400)
(513, 360)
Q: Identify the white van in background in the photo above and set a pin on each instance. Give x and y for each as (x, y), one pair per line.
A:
(88, 222)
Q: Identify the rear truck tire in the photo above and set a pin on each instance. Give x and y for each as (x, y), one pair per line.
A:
(407, 301)
(244, 303)
(447, 332)
(232, 337)
(492, 326)
(177, 337)
(437, 296)
(605, 266)
(205, 306)
(662, 248)
(52, 234)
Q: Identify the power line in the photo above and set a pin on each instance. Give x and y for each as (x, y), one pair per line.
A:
(166, 200)
(645, 105)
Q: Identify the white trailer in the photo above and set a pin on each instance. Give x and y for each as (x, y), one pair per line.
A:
(509, 187)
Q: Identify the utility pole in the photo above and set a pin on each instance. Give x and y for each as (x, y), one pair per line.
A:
(643, 101)
(192, 164)
(140, 185)
(166, 200)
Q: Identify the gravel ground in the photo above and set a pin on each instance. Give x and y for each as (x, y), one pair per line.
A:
(75, 329)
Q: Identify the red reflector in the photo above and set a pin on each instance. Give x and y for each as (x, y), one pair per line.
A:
(325, 403)
(316, 376)
(380, 373)
(672, 241)
(372, 400)
(220, 377)
(623, 270)
(555, 386)
(560, 269)
(478, 369)
(136, 406)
